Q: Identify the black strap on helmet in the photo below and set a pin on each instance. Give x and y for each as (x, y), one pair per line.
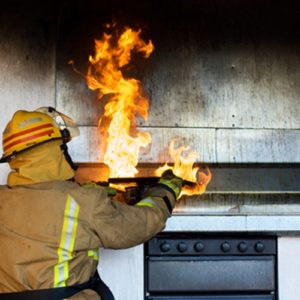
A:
(68, 158)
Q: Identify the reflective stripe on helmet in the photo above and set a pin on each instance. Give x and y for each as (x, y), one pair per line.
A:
(27, 139)
(26, 131)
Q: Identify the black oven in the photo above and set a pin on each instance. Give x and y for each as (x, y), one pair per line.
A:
(186, 266)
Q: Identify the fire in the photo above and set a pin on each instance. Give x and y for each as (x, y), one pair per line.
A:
(125, 101)
(184, 159)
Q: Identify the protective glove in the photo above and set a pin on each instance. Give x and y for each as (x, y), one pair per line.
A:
(171, 181)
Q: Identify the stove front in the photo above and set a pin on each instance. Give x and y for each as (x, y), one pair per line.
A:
(193, 266)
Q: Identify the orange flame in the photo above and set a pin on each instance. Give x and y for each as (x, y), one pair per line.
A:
(184, 159)
(126, 99)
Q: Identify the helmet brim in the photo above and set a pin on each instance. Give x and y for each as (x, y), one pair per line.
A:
(5, 159)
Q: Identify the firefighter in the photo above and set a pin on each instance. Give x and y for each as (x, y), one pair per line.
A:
(51, 227)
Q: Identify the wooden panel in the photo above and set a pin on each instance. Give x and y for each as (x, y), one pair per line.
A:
(87, 147)
(258, 146)
(216, 64)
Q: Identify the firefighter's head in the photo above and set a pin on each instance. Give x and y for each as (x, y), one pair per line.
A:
(35, 142)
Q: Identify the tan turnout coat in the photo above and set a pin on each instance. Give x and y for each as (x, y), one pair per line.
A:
(50, 232)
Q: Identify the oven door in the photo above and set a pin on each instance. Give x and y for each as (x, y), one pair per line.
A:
(252, 297)
(211, 278)
(211, 273)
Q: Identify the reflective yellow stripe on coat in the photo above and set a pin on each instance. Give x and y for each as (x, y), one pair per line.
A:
(94, 254)
(67, 241)
(147, 202)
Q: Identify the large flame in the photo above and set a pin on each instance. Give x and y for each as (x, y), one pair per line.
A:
(126, 99)
(184, 159)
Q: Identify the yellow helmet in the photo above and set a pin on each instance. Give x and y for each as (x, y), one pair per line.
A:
(27, 129)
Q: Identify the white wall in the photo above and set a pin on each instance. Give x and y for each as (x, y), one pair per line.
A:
(289, 268)
(122, 271)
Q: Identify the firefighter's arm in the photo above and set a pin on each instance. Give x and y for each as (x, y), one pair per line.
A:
(121, 226)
